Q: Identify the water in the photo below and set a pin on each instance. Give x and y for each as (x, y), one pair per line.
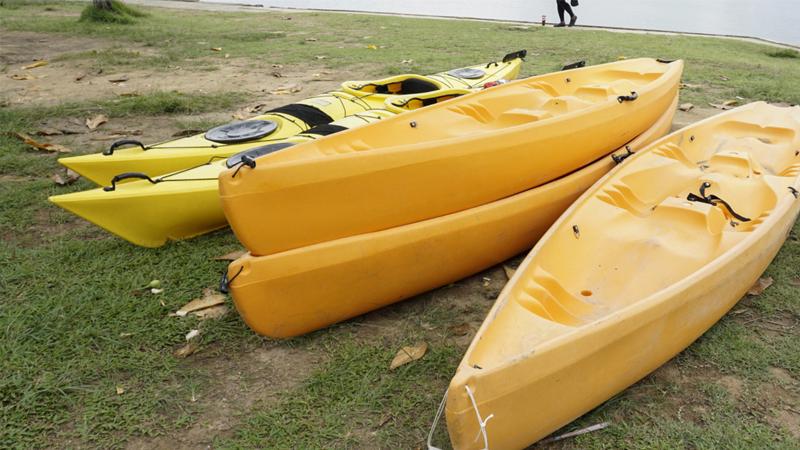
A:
(776, 20)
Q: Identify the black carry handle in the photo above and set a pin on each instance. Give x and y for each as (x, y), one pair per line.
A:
(127, 176)
(575, 65)
(620, 158)
(713, 200)
(225, 283)
(122, 143)
(666, 61)
(628, 98)
(521, 54)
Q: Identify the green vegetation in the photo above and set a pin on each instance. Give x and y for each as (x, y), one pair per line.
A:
(116, 13)
(76, 323)
(784, 53)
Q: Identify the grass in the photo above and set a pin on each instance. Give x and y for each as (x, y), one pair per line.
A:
(76, 325)
(118, 13)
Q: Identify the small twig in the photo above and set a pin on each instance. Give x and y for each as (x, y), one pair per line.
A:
(589, 429)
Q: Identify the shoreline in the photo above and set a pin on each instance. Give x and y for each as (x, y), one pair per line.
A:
(246, 7)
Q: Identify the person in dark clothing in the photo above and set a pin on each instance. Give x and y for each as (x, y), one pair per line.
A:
(564, 6)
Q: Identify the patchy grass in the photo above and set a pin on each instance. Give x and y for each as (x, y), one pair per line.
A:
(75, 324)
(119, 13)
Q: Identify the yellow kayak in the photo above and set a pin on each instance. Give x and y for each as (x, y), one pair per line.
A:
(304, 289)
(149, 211)
(445, 158)
(639, 267)
(280, 123)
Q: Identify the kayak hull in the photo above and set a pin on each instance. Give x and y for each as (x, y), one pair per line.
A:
(170, 156)
(445, 158)
(569, 331)
(301, 290)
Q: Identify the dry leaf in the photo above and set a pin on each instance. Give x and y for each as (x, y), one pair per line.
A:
(761, 285)
(93, 122)
(55, 148)
(187, 349)
(460, 330)
(724, 78)
(120, 390)
(686, 107)
(691, 86)
(726, 105)
(49, 132)
(288, 89)
(372, 47)
(311, 39)
(81, 76)
(192, 334)
(232, 256)
(240, 115)
(216, 49)
(215, 312)
(486, 281)
(408, 354)
(119, 79)
(22, 77)
(277, 75)
(210, 298)
(407, 61)
(509, 271)
(39, 63)
(277, 66)
(795, 282)
(68, 177)
(319, 57)
(227, 55)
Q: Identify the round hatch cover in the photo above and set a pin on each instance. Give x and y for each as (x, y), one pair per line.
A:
(247, 130)
(467, 72)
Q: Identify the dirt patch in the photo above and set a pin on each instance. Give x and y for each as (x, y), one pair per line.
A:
(75, 79)
(782, 375)
(237, 382)
(733, 385)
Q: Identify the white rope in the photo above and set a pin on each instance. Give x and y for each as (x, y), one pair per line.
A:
(481, 421)
(436, 422)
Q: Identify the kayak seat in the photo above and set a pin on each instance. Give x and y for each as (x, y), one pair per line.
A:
(546, 87)
(406, 86)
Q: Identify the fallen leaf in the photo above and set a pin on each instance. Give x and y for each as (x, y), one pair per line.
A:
(81, 76)
(795, 282)
(686, 107)
(214, 312)
(588, 429)
(49, 132)
(22, 77)
(227, 55)
(408, 354)
(93, 122)
(119, 79)
(726, 105)
(68, 177)
(187, 349)
(407, 61)
(761, 285)
(36, 64)
(239, 115)
(187, 133)
(192, 334)
(277, 66)
(277, 74)
(372, 47)
(320, 57)
(509, 271)
(124, 335)
(288, 89)
(232, 256)
(120, 390)
(460, 330)
(724, 78)
(156, 291)
(55, 148)
(216, 49)
(210, 298)
(311, 39)
(486, 281)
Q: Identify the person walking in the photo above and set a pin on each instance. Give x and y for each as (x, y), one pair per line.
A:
(564, 6)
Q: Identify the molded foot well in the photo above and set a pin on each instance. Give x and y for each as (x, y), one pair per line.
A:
(544, 296)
